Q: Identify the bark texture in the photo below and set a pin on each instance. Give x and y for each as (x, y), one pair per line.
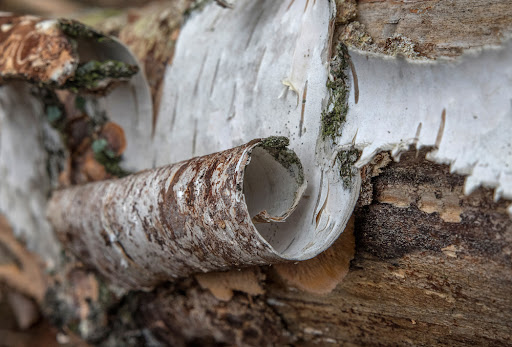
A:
(432, 266)
(177, 220)
(416, 279)
(436, 28)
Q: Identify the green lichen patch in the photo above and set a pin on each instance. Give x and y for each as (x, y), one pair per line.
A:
(106, 157)
(90, 75)
(275, 142)
(335, 113)
(346, 160)
(77, 30)
(276, 146)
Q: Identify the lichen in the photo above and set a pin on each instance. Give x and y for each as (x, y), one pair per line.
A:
(275, 142)
(89, 75)
(335, 113)
(276, 146)
(346, 10)
(78, 30)
(106, 157)
(354, 35)
(346, 160)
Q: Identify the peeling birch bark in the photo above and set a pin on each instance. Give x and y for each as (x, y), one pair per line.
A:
(193, 216)
(260, 69)
(449, 261)
(460, 108)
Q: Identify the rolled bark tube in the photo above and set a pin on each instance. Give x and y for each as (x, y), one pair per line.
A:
(194, 216)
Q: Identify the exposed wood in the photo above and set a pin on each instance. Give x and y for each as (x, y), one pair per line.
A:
(438, 27)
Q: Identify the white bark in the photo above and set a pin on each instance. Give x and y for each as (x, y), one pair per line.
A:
(24, 183)
(462, 108)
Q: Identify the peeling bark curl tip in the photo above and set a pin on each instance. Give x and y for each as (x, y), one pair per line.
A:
(193, 216)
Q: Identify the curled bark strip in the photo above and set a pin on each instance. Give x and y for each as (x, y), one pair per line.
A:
(61, 53)
(193, 216)
(35, 50)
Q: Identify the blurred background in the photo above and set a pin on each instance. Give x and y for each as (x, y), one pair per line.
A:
(21, 322)
(54, 8)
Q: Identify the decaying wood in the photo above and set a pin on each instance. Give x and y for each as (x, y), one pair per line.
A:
(194, 216)
(434, 28)
(416, 278)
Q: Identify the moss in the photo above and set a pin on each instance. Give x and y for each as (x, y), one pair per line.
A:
(335, 113)
(89, 75)
(346, 160)
(77, 30)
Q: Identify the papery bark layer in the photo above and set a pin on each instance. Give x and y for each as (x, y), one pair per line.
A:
(169, 222)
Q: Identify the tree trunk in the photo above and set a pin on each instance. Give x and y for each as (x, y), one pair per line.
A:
(419, 263)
